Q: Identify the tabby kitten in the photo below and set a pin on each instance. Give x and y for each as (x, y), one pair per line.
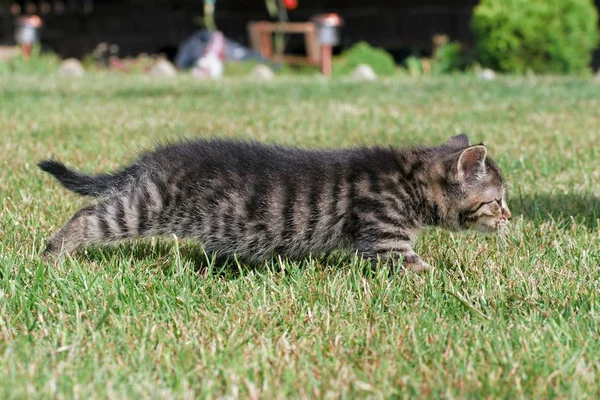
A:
(254, 200)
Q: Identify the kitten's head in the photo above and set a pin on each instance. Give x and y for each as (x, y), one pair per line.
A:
(469, 192)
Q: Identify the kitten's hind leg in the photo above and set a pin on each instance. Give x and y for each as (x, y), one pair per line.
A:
(107, 221)
(71, 235)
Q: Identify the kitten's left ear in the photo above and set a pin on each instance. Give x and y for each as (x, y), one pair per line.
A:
(471, 163)
(461, 140)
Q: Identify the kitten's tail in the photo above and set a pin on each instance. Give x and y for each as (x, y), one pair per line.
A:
(95, 186)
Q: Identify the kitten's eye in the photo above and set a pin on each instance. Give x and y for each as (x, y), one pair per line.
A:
(495, 202)
(480, 205)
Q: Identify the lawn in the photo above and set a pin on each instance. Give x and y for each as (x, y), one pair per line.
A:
(512, 318)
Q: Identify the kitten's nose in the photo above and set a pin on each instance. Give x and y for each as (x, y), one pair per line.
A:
(507, 214)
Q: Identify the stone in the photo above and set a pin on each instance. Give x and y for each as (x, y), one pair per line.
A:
(209, 67)
(163, 68)
(364, 73)
(71, 67)
(262, 72)
(487, 74)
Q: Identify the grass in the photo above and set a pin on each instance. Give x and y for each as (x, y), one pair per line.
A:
(515, 319)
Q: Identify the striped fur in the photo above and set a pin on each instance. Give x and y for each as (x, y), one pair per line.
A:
(254, 200)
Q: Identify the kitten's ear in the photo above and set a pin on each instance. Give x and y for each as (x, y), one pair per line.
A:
(458, 141)
(471, 163)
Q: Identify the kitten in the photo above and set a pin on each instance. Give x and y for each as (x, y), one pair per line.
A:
(254, 200)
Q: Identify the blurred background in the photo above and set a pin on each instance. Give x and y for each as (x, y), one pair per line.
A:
(421, 36)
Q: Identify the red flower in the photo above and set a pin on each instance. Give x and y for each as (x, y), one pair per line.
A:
(290, 4)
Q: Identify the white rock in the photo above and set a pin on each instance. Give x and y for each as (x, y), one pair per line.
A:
(71, 67)
(209, 67)
(487, 74)
(364, 73)
(262, 72)
(163, 68)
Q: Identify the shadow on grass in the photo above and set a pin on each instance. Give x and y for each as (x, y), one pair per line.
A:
(163, 255)
(564, 209)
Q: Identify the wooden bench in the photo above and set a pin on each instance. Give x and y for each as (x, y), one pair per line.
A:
(261, 39)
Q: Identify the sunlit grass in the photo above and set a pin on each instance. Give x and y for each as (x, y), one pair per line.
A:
(512, 317)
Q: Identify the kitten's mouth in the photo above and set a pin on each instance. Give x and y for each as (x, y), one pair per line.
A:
(491, 227)
(501, 224)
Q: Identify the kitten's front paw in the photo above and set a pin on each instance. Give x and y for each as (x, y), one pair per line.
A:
(417, 266)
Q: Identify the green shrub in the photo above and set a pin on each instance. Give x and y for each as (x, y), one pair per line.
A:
(448, 57)
(362, 53)
(556, 36)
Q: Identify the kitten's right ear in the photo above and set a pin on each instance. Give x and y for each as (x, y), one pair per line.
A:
(471, 163)
(458, 141)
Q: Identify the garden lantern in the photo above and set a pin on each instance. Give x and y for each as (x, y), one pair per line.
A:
(328, 32)
(26, 33)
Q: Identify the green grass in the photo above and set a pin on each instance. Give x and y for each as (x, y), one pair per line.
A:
(515, 319)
